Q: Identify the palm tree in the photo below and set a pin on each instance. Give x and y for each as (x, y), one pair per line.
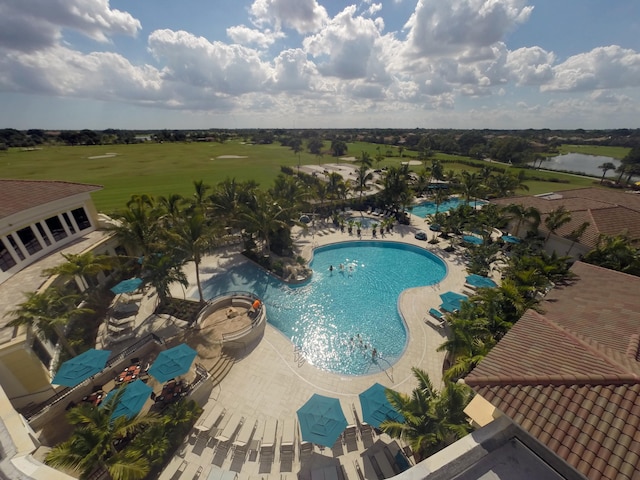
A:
(556, 219)
(50, 312)
(615, 252)
(192, 238)
(172, 208)
(163, 270)
(432, 420)
(91, 448)
(82, 265)
(522, 214)
(605, 167)
(576, 234)
(230, 196)
(138, 224)
(364, 175)
(471, 185)
(264, 219)
(200, 194)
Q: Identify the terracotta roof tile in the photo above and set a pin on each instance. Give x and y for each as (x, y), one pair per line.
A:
(19, 195)
(582, 387)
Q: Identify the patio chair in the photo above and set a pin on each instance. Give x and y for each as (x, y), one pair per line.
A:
(287, 442)
(268, 442)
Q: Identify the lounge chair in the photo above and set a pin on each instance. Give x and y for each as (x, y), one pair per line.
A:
(287, 442)
(267, 444)
(436, 314)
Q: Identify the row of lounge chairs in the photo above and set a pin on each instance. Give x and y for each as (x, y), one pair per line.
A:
(379, 212)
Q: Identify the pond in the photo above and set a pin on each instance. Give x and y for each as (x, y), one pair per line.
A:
(580, 163)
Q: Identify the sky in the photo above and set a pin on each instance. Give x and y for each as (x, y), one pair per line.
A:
(196, 64)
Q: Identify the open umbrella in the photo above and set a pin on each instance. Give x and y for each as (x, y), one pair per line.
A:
(132, 400)
(173, 362)
(479, 281)
(126, 286)
(471, 239)
(451, 301)
(321, 420)
(375, 406)
(74, 371)
(510, 239)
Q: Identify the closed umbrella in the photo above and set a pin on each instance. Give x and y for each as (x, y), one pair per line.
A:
(127, 286)
(173, 362)
(471, 239)
(132, 400)
(75, 371)
(321, 420)
(376, 407)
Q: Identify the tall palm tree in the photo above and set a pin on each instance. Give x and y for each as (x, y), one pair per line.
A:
(50, 312)
(264, 219)
(91, 448)
(138, 224)
(82, 266)
(605, 167)
(163, 270)
(556, 219)
(192, 237)
(615, 252)
(471, 185)
(522, 214)
(576, 234)
(364, 175)
(230, 196)
(432, 420)
(200, 195)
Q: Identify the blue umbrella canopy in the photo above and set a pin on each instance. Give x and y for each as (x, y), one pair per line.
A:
(321, 420)
(75, 371)
(127, 286)
(173, 362)
(510, 239)
(480, 281)
(472, 239)
(376, 407)
(132, 400)
(451, 301)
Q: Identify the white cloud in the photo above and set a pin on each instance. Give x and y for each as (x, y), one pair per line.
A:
(448, 28)
(374, 8)
(601, 68)
(31, 25)
(530, 65)
(349, 47)
(197, 62)
(304, 16)
(293, 72)
(609, 98)
(244, 35)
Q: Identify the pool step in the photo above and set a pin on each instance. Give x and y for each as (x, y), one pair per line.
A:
(221, 368)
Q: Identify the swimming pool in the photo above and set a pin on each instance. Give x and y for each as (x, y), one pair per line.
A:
(429, 208)
(339, 316)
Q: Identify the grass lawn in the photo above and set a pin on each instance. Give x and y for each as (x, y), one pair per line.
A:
(163, 169)
(615, 152)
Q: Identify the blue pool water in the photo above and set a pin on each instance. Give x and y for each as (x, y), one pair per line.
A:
(321, 316)
(429, 208)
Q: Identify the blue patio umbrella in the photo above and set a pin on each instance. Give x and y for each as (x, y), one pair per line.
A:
(510, 239)
(479, 281)
(451, 301)
(173, 362)
(375, 406)
(321, 420)
(472, 239)
(75, 371)
(127, 286)
(132, 400)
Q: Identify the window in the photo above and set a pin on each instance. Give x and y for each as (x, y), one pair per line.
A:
(41, 352)
(56, 228)
(15, 247)
(68, 222)
(29, 240)
(43, 234)
(6, 260)
(81, 218)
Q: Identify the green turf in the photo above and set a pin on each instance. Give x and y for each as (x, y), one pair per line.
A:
(162, 169)
(615, 152)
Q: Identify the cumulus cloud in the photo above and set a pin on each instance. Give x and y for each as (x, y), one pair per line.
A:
(304, 16)
(195, 61)
(349, 47)
(27, 25)
(441, 28)
(250, 36)
(530, 65)
(601, 68)
(293, 72)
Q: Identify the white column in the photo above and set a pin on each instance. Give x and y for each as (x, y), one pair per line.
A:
(10, 249)
(73, 221)
(64, 225)
(20, 245)
(36, 232)
(47, 231)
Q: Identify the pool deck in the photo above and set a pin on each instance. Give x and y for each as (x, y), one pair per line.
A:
(271, 381)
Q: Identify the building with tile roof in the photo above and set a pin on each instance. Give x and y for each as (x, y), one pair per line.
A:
(570, 376)
(607, 211)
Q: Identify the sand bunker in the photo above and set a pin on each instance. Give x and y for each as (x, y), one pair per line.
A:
(106, 155)
(232, 156)
(412, 162)
(349, 159)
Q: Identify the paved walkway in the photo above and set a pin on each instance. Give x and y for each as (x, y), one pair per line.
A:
(271, 383)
